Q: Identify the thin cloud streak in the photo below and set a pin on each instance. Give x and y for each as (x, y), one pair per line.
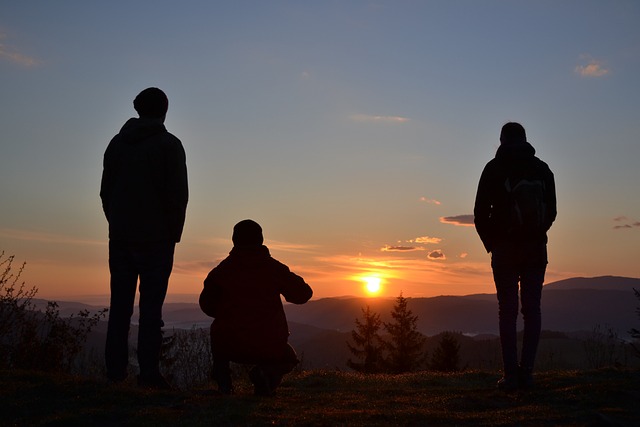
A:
(459, 220)
(427, 240)
(35, 236)
(378, 119)
(624, 222)
(431, 201)
(401, 248)
(14, 56)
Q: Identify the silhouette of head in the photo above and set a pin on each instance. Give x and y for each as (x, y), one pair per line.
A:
(151, 103)
(247, 233)
(512, 133)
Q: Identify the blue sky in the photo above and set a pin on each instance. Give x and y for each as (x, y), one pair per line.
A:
(351, 130)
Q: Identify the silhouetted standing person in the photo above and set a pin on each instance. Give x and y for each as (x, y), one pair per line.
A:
(514, 208)
(144, 196)
(242, 294)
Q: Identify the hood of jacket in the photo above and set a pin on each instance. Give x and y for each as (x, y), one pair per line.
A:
(136, 130)
(515, 151)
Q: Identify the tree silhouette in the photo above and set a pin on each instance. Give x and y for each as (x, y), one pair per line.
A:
(367, 343)
(406, 345)
(446, 357)
(635, 333)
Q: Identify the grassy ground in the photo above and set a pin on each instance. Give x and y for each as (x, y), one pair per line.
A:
(323, 398)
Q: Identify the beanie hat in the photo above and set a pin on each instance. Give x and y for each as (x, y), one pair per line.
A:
(247, 233)
(151, 102)
(513, 132)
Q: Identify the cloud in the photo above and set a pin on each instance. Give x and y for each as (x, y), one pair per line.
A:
(378, 119)
(401, 248)
(12, 55)
(427, 240)
(623, 222)
(463, 255)
(276, 245)
(35, 236)
(432, 201)
(592, 68)
(461, 220)
(195, 268)
(437, 255)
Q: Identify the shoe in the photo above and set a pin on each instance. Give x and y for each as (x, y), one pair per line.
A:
(261, 383)
(156, 382)
(507, 383)
(225, 389)
(116, 377)
(525, 378)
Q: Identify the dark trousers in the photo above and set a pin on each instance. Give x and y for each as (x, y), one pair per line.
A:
(519, 267)
(152, 263)
(275, 366)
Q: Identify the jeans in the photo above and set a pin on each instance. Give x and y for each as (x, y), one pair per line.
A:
(274, 365)
(516, 264)
(152, 262)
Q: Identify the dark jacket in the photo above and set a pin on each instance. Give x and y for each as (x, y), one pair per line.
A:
(492, 211)
(144, 183)
(243, 295)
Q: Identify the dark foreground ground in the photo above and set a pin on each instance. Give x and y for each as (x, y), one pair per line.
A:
(328, 398)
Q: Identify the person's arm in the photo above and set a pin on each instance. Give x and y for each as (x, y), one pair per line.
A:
(294, 289)
(209, 295)
(105, 183)
(482, 210)
(550, 200)
(177, 187)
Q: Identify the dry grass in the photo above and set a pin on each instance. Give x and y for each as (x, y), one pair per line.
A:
(329, 398)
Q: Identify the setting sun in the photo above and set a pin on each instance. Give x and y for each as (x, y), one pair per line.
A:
(372, 284)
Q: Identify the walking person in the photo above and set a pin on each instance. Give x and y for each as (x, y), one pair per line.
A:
(144, 196)
(514, 208)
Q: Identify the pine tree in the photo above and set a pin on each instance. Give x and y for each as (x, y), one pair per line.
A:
(446, 357)
(367, 343)
(406, 344)
(635, 333)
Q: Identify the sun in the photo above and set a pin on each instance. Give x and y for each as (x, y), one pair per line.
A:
(372, 284)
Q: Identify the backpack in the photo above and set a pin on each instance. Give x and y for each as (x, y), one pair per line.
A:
(526, 205)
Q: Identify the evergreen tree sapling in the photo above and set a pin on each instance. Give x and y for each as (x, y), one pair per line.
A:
(367, 344)
(446, 357)
(405, 346)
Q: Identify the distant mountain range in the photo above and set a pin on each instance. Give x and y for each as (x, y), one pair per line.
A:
(321, 328)
(576, 304)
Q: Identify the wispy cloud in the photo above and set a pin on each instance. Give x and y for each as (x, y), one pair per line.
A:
(422, 240)
(623, 222)
(378, 119)
(431, 201)
(436, 255)
(401, 248)
(36, 236)
(13, 55)
(427, 240)
(290, 247)
(591, 67)
(461, 220)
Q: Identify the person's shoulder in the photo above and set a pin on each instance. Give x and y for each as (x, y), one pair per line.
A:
(541, 164)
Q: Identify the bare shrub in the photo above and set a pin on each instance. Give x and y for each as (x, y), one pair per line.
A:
(30, 339)
(602, 347)
(186, 357)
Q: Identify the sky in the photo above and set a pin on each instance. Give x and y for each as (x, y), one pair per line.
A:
(354, 132)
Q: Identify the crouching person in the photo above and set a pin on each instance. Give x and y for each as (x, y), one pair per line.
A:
(242, 294)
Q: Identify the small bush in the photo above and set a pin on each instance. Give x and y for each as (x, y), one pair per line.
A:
(30, 339)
